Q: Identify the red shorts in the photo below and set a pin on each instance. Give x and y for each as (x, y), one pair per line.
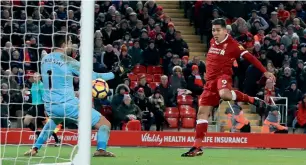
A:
(210, 95)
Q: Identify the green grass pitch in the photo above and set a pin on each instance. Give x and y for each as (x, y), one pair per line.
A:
(160, 156)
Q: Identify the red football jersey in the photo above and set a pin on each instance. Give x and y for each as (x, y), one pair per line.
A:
(220, 57)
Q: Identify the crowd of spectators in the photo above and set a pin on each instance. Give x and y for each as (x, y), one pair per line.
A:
(132, 33)
(274, 32)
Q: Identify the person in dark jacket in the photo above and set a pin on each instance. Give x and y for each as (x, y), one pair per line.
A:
(125, 59)
(144, 39)
(166, 91)
(118, 95)
(178, 45)
(285, 80)
(294, 95)
(109, 58)
(151, 54)
(136, 53)
(109, 34)
(143, 84)
(195, 82)
(126, 111)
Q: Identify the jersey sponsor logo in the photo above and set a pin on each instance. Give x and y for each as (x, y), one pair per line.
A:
(53, 61)
(224, 82)
(241, 47)
(216, 51)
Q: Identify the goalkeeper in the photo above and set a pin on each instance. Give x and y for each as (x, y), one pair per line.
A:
(60, 102)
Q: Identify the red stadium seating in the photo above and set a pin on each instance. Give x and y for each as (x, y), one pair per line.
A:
(160, 61)
(154, 70)
(133, 125)
(173, 122)
(133, 84)
(184, 100)
(153, 85)
(188, 123)
(132, 77)
(157, 77)
(139, 69)
(149, 78)
(187, 111)
(106, 111)
(172, 112)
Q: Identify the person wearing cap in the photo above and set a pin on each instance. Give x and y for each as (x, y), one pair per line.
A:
(120, 90)
(195, 82)
(287, 38)
(274, 36)
(126, 111)
(151, 54)
(289, 21)
(136, 53)
(262, 22)
(170, 34)
(157, 29)
(142, 102)
(294, 58)
(133, 20)
(144, 39)
(272, 122)
(136, 32)
(143, 84)
(125, 59)
(274, 21)
(157, 106)
(109, 35)
(236, 120)
(175, 61)
(294, 96)
(159, 14)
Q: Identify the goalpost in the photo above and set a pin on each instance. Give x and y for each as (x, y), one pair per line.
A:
(13, 153)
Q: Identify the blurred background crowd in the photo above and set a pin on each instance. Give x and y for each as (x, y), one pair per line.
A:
(159, 73)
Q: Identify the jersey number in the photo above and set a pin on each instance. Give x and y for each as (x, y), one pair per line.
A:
(50, 78)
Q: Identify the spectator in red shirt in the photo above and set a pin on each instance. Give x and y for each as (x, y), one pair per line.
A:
(282, 13)
(300, 120)
(157, 29)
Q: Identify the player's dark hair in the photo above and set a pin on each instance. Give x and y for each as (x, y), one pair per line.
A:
(59, 39)
(219, 21)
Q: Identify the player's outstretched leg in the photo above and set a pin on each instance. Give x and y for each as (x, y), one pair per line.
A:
(235, 95)
(201, 130)
(46, 132)
(103, 127)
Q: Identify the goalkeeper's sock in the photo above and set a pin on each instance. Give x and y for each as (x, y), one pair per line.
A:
(102, 137)
(46, 132)
(55, 137)
(201, 130)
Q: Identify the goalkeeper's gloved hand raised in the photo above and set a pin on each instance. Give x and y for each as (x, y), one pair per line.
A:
(117, 69)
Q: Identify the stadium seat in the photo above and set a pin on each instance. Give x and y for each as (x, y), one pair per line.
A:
(149, 78)
(133, 125)
(133, 84)
(184, 100)
(153, 85)
(139, 69)
(188, 123)
(172, 112)
(154, 70)
(173, 122)
(187, 111)
(132, 77)
(157, 77)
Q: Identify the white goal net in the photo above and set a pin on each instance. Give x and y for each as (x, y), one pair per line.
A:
(26, 36)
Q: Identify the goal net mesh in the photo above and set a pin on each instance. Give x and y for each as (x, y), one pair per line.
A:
(26, 36)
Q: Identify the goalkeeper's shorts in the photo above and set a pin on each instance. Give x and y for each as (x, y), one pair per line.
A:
(69, 111)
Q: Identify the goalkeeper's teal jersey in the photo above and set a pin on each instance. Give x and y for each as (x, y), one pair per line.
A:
(57, 72)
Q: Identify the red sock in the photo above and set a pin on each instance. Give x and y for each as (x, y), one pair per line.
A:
(241, 97)
(201, 130)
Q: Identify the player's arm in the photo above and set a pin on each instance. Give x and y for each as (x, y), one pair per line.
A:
(75, 68)
(254, 61)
